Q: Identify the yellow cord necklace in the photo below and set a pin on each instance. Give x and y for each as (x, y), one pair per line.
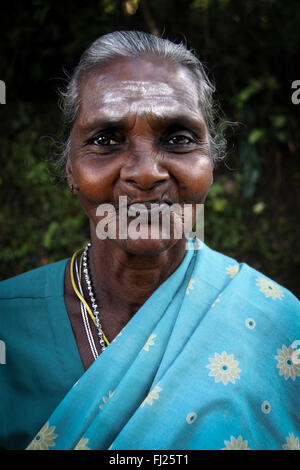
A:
(94, 316)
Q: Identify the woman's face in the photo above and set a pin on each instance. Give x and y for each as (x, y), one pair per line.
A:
(139, 133)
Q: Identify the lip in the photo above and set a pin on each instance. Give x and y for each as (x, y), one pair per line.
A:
(148, 202)
(141, 204)
(149, 207)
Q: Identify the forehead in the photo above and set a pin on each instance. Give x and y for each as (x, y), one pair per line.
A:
(138, 86)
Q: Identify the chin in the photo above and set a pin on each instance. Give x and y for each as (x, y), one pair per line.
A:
(146, 247)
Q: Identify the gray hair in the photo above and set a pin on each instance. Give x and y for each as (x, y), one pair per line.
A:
(132, 44)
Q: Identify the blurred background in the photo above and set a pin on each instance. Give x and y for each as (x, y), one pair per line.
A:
(251, 51)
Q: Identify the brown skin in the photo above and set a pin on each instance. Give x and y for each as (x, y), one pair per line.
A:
(139, 133)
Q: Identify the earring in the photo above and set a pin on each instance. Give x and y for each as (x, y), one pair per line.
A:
(71, 188)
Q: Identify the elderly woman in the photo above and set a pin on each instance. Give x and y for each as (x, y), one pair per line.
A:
(137, 342)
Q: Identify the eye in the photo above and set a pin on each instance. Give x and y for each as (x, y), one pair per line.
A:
(179, 140)
(104, 141)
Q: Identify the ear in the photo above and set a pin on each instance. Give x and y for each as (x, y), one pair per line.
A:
(69, 173)
(70, 179)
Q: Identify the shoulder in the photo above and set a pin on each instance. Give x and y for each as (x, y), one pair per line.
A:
(37, 283)
(243, 281)
(260, 314)
(266, 290)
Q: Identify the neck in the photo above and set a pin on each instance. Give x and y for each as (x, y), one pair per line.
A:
(124, 281)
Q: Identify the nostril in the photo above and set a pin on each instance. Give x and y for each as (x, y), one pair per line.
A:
(145, 186)
(144, 176)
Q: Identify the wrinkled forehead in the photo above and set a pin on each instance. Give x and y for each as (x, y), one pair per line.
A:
(114, 97)
(140, 89)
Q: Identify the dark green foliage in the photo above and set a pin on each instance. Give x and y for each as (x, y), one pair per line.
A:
(251, 51)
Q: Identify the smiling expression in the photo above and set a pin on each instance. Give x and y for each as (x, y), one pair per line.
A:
(140, 133)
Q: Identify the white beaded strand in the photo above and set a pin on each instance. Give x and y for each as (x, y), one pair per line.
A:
(85, 315)
(92, 296)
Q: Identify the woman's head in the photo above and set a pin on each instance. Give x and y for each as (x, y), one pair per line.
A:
(130, 44)
(140, 125)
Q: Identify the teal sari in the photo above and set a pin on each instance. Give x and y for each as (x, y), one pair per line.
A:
(208, 362)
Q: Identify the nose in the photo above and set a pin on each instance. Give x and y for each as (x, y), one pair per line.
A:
(144, 168)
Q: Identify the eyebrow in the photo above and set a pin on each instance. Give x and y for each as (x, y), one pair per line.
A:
(104, 124)
(195, 124)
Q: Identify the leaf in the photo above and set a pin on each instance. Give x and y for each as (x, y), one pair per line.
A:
(256, 135)
(258, 207)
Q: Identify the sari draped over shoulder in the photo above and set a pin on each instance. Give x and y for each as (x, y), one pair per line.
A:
(208, 362)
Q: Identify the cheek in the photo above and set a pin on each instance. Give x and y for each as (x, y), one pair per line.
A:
(195, 179)
(95, 180)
